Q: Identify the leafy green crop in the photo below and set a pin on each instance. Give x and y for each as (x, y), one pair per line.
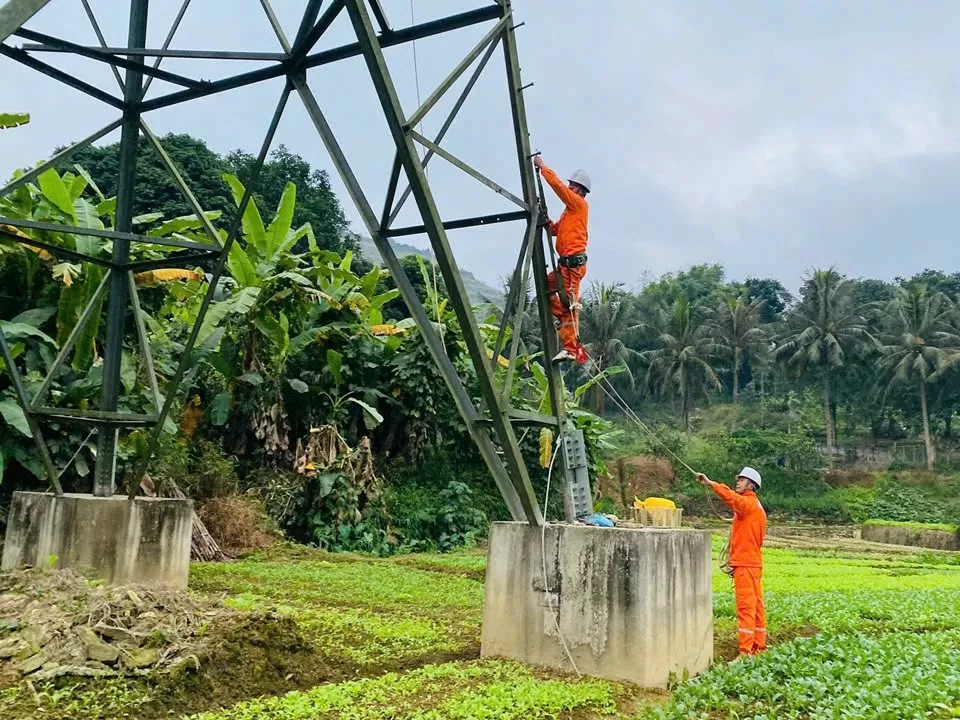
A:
(897, 676)
(441, 692)
(370, 613)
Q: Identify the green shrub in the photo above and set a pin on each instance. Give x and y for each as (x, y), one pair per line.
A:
(908, 503)
(607, 506)
(428, 521)
(445, 501)
(826, 507)
(857, 501)
(790, 465)
(199, 467)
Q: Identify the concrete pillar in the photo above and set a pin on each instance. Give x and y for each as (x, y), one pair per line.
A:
(632, 605)
(144, 541)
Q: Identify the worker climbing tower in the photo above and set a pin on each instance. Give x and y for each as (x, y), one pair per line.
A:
(142, 529)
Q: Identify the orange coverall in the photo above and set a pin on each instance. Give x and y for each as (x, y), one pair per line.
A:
(746, 541)
(571, 234)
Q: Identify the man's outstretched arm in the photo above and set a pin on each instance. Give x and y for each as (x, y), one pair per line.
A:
(567, 196)
(730, 498)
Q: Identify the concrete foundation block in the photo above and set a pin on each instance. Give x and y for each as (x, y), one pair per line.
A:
(633, 605)
(146, 541)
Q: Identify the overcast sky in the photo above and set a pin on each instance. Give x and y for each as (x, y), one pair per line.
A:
(770, 137)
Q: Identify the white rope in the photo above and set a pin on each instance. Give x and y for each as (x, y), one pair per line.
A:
(604, 383)
(631, 415)
(416, 67)
(82, 446)
(543, 557)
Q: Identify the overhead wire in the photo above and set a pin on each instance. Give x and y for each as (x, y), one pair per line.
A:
(426, 172)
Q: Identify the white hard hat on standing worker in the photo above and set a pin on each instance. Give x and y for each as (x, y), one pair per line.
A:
(750, 474)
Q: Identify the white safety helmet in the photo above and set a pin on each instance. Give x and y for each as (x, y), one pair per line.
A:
(750, 474)
(581, 178)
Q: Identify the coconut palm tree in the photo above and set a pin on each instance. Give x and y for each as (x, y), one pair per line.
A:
(681, 365)
(529, 341)
(734, 325)
(918, 346)
(604, 323)
(820, 331)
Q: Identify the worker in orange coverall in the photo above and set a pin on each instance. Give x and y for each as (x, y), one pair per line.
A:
(571, 234)
(746, 558)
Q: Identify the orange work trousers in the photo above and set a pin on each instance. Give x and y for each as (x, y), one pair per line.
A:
(751, 616)
(569, 336)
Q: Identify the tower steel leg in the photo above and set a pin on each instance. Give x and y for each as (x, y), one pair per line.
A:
(104, 482)
(383, 82)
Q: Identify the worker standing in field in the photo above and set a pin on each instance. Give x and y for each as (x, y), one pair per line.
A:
(571, 234)
(746, 558)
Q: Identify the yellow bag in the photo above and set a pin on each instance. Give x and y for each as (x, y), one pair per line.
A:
(652, 503)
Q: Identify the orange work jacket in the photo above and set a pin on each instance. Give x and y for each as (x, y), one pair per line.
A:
(749, 526)
(571, 229)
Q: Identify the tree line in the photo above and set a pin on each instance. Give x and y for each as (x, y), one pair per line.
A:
(884, 355)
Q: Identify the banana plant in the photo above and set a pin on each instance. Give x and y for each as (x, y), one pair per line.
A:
(269, 283)
(74, 199)
(278, 304)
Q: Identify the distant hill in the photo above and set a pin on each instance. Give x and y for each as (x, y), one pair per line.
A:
(477, 290)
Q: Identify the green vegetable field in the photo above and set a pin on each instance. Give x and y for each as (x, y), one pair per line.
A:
(863, 635)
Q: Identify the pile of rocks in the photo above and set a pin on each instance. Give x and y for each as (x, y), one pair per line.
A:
(56, 623)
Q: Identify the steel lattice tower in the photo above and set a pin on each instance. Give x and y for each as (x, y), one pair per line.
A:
(492, 422)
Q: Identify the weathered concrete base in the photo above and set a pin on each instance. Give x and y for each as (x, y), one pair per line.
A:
(915, 537)
(633, 605)
(146, 541)
(813, 532)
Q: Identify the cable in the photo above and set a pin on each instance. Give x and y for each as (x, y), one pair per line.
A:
(426, 172)
(543, 558)
(416, 67)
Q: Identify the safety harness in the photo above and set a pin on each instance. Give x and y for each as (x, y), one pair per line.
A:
(573, 261)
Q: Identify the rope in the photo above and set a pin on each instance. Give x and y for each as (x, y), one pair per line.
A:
(618, 400)
(82, 446)
(631, 415)
(416, 67)
(543, 559)
(723, 558)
